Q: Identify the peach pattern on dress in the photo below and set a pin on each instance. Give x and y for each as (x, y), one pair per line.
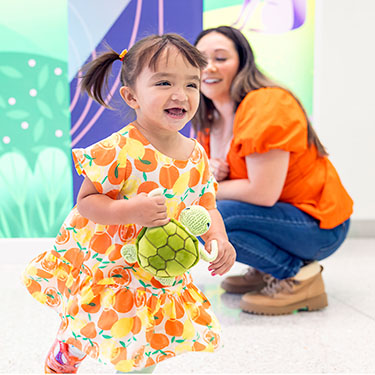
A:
(112, 310)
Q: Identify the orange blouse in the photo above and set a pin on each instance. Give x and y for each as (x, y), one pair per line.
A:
(270, 118)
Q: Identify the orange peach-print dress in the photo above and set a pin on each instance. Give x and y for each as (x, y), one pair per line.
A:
(114, 311)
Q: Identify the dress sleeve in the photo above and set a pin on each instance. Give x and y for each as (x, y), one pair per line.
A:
(104, 163)
(269, 118)
(203, 138)
(209, 185)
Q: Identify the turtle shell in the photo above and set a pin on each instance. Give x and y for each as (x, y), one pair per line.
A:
(167, 251)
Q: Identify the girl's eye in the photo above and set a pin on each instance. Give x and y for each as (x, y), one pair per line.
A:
(193, 85)
(221, 59)
(163, 83)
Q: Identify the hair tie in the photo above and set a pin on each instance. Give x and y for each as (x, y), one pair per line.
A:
(122, 54)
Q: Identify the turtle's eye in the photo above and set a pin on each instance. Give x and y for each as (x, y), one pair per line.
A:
(208, 225)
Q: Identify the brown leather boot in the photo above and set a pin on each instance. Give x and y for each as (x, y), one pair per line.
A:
(251, 281)
(305, 292)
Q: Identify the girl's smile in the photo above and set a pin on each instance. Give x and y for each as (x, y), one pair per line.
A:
(175, 112)
(166, 98)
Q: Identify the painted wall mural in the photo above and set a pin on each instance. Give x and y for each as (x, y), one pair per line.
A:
(281, 32)
(35, 172)
(43, 115)
(91, 122)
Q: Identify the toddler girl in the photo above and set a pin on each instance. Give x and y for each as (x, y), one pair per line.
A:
(112, 310)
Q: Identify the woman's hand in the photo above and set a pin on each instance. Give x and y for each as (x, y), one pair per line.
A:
(266, 178)
(225, 258)
(219, 168)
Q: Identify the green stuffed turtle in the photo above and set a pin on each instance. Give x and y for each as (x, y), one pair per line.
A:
(170, 250)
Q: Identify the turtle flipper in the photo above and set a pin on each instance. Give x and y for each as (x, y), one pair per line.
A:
(209, 257)
(168, 281)
(156, 192)
(129, 253)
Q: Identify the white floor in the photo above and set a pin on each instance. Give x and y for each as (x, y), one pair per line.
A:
(338, 339)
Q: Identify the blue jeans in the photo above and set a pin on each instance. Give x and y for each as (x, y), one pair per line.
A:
(278, 240)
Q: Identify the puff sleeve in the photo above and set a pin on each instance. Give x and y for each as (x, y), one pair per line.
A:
(209, 190)
(269, 118)
(104, 163)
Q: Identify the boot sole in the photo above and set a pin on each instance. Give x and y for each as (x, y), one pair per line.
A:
(311, 304)
(235, 289)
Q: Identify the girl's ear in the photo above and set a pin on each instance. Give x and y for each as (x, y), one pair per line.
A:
(129, 97)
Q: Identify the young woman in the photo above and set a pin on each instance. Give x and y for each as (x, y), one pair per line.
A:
(282, 201)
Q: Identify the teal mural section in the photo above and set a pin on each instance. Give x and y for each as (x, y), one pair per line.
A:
(215, 4)
(35, 162)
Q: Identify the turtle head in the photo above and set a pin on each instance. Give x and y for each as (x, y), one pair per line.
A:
(196, 219)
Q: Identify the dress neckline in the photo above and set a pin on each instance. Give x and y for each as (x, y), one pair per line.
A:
(146, 142)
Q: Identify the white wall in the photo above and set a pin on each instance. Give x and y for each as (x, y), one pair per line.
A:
(344, 96)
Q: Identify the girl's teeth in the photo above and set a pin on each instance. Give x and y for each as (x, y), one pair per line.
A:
(175, 111)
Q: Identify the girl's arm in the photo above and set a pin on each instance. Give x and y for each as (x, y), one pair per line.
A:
(101, 209)
(267, 173)
(226, 253)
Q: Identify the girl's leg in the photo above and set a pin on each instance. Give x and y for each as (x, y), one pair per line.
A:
(278, 240)
(63, 359)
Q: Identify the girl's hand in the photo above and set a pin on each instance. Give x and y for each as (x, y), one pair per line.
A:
(149, 211)
(219, 168)
(225, 258)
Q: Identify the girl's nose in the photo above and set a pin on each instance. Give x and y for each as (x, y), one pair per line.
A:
(179, 95)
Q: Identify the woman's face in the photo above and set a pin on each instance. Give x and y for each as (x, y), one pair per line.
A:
(222, 67)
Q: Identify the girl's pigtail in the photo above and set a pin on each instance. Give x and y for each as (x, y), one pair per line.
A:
(95, 74)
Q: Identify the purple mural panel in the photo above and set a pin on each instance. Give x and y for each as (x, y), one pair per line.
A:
(277, 16)
(90, 122)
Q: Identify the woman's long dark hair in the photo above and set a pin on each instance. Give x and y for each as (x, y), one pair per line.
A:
(248, 78)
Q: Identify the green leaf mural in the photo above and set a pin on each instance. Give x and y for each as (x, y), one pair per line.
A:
(34, 203)
(35, 146)
(17, 114)
(35, 157)
(60, 92)
(15, 177)
(43, 76)
(38, 131)
(9, 71)
(36, 108)
(44, 108)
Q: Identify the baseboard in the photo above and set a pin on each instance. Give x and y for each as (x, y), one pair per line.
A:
(362, 228)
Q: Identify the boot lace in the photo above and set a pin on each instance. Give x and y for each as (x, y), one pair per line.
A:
(274, 285)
